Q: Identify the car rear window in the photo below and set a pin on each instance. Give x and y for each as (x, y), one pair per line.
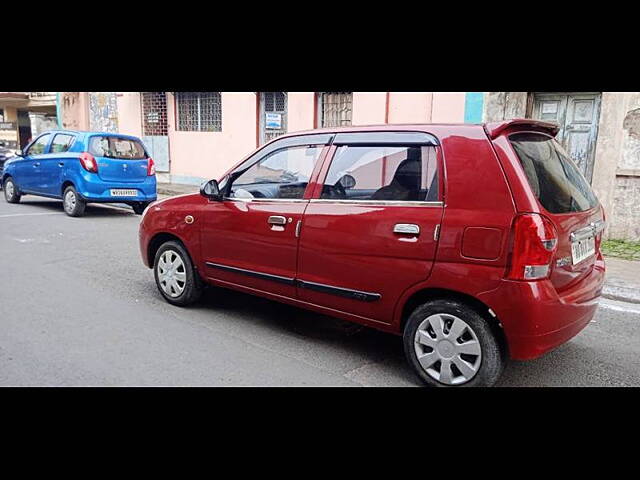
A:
(552, 175)
(116, 147)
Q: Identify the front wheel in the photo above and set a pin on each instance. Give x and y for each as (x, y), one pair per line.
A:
(176, 279)
(11, 194)
(73, 204)
(449, 344)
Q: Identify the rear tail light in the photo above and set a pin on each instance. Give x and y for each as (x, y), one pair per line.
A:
(89, 162)
(151, 167)
(534, 244)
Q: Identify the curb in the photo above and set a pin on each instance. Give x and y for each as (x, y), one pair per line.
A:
(621, 293)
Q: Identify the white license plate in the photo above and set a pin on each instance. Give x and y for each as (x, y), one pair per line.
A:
(123, 192)
(583, 249)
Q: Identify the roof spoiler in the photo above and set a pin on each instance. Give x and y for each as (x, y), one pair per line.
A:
(494, 129)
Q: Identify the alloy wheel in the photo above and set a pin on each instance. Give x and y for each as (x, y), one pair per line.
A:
(448, 349)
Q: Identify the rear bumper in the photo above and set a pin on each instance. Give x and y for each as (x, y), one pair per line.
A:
(537, 319)
(93, 190)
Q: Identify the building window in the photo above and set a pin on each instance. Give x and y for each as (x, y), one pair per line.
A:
(199, 111)
(273, 116)
(335, 109)
(154, 113)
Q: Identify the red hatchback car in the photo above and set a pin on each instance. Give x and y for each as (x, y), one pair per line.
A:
(477, 243)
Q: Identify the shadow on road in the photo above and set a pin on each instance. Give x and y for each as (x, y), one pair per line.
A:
(375, 346)
(92, 209)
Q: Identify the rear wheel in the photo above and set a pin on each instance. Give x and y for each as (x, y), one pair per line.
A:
(11, 194)
(449, 344)
(73, 205)
(139, 207)
(176, 279)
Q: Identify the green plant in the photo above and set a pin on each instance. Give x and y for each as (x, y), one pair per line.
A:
(621, 249)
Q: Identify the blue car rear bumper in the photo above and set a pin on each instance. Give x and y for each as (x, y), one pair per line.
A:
(100, 191)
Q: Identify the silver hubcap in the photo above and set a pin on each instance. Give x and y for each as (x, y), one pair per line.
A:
(69, 201)
(447, 349)
(10, 189)
(171, 273)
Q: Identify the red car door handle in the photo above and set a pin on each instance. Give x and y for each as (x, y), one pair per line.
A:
(406, 228)
(277, 220)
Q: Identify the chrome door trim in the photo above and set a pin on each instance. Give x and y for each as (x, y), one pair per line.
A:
(277, 220)
(591, 230)
(382, 203)
(266, 200)
(407, 228)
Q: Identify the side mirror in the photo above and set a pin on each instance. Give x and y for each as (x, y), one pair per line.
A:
(347, 181)
(211, 190)
(19, 153)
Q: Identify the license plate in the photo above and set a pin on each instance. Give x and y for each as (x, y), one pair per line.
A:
(123, 192)
(583, 249)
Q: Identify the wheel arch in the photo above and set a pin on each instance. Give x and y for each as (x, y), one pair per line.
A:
(426, 294)
(65, 184)
(156, 242)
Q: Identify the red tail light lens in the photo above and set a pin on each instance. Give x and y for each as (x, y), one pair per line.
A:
(151, 167)
(534, 245)
(88, 162)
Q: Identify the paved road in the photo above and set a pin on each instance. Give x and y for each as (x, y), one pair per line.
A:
(79, 308)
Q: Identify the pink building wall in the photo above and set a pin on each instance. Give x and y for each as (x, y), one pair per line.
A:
(203, 155)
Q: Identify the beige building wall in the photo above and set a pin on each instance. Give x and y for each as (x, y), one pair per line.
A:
(129, 113)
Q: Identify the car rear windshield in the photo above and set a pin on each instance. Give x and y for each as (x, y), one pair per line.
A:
(116, 147)
(554, 178)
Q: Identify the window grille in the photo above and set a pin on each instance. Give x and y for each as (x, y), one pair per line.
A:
(274, 102)
(335, 109)
(154, 113)
(199, 111)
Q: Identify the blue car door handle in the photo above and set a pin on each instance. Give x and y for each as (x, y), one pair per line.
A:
(37, 164)
(61, 164)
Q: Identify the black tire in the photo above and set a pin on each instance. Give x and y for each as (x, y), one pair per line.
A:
(72, 204)
(139, 207)
(11, 194)
(193, 284)
(492, 358)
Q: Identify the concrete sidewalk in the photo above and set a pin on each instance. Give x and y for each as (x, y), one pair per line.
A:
(622, 281)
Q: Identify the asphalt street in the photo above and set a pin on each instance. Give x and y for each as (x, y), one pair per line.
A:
(78, 307)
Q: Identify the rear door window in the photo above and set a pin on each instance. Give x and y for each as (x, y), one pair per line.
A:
(116, 147)
(385, 173)
(552, 175)
(61, 143)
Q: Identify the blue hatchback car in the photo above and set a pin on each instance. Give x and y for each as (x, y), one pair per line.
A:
(82, 167)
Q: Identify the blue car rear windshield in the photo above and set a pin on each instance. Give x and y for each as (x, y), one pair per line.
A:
(116, 147)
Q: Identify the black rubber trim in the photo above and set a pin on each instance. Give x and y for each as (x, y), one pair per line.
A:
(318, 287)
(251, 273)
(341, 292)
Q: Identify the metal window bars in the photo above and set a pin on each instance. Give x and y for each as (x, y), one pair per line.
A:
(199, 111)
(154, 113)
(336, 109)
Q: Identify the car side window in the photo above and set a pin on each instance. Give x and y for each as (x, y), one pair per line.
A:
(39, 145)
(61, 143)
(281, 174)
(392, 173)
